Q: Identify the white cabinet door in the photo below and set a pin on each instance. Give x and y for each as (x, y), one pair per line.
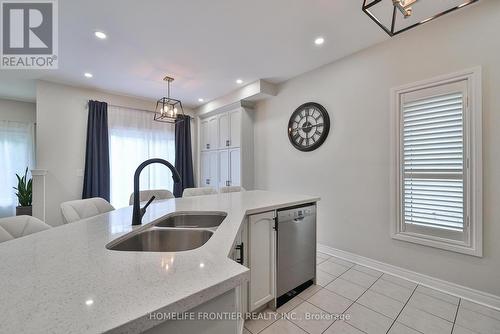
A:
(234, 167)
(205, 169)
(261, 259)
(235, 128)
(224, 175)
(213, 166)
(223, 130)
(240, 255)
(204, 135)
(212, 133)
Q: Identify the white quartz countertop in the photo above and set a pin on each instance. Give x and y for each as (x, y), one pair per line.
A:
(64, 280)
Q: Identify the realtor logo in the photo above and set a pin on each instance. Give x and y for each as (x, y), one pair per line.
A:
(29, 34)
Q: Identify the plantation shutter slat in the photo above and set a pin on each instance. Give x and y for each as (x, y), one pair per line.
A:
(433, 161)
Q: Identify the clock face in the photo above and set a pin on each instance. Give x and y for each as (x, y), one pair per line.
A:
(308, 127)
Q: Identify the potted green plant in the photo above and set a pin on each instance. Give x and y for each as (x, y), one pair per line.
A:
(24, 194)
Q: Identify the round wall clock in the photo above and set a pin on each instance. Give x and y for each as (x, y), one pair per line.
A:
(308, 126)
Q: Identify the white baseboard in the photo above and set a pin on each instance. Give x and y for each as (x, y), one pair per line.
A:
(473, 295)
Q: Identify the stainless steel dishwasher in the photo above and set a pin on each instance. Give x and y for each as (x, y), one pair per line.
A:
(296, 251)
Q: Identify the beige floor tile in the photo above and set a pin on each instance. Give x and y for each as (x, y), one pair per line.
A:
(366, 270)
(322, 255)
(341, 327)
(382, 304)
(341, 261)
(246, 331)
(323, 278)
(424, 322)
(487, 311)
(346, 288)
(392, 290)
(330, 301)
(461, 330)
(399, 281)
(438, 294)
(332, 268)
(434, 306)
(265, 318)
(367, 320)
(309, 291)
(310, 318)
(359, 278)
(399, 328)
(283, 327)
(477, 322)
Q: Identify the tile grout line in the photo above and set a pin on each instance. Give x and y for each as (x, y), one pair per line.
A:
(414, 289)
(354, 302)
(263, 329)
(456, 314)
(435, 315)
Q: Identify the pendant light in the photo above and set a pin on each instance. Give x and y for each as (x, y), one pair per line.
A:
(397, 16)
(168, 109)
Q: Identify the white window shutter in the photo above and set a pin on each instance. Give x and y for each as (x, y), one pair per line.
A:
(433, 161)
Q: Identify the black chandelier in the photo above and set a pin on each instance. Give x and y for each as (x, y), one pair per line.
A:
(168, 109)
(397, 16)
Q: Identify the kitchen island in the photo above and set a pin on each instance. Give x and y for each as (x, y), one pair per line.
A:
(65, 280)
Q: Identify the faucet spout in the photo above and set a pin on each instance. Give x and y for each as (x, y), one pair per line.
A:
(138, 212)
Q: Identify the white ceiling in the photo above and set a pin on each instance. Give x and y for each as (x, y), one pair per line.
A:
(205, 44)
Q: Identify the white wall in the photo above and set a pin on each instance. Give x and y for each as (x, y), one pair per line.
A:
(61, 136)
(17, 111)
(351, 170)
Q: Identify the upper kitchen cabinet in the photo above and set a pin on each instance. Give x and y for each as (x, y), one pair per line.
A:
(228, 132)
(230, 129)
(209, 133)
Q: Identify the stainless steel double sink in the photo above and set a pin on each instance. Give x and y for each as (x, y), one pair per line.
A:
(174, 233)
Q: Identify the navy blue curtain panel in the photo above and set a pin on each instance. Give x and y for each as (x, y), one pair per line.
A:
(96, 181)
(183, 154)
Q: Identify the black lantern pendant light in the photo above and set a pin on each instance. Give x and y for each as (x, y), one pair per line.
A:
(168, 109)
(397, 16)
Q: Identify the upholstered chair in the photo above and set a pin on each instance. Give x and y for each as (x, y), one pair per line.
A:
(145, 195)
(73, 211)
(20, 226)
(231, 189)
(190, 192)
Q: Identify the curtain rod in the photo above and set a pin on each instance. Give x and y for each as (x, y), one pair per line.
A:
(117, 106)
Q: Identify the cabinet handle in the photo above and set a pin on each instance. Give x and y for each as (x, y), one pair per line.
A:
(208, 146)
(227, 142)
(207, 181)
(241, 259)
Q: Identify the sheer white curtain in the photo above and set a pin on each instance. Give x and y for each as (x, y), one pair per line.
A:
(17, 151)
(133, 138)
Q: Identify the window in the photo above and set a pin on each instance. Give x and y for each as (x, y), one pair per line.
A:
(437, 161)
(17, 151)
(133, 138)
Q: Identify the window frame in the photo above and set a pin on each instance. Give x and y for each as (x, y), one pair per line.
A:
(472, 243)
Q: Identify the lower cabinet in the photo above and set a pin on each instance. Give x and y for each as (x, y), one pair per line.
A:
(229, 167)
(261, 259)
(240, 255)
(209, 169)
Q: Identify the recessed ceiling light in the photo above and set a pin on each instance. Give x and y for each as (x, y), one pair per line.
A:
(201, 100)
(239, 81)
(319, 41)
(88, 75)
(89, 302)
(100, 35)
